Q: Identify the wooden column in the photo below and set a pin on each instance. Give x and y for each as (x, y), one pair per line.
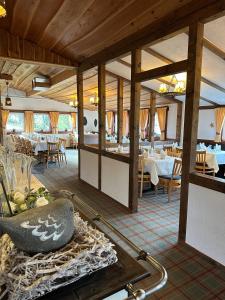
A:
(80, 114)
(152, 118)
(101, 117)
(119, 110)
(179, 121)
(1, 127)
(134, 129)
(191, 117)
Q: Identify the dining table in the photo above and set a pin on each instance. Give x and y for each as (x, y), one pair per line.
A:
(214, 158)
(40, 146)
(157, 165)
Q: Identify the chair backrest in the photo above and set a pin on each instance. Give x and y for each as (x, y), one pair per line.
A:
(174, 154)
(52, 147)
(201, 157)
(62, 142)
(168, 148)
(179, 150)
(177, 168)
(141, 164)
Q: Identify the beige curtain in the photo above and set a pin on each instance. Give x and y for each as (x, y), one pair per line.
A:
(29, 121)
(162, 111)
(219, 120)
(54, 118)
(125, 123)
(5, 116)
(143, 122)
(109, 116)
(74, 119)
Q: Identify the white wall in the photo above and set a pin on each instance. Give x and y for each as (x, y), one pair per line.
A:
(21, 102)
(89, 167)
(206, 222)
(115, 180)
(172, 121)
(205, 131)
(91, 116)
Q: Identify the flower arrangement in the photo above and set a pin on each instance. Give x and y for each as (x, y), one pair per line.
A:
(20, 202)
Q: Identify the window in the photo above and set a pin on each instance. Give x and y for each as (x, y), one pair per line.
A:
(41, 122)
(65, 122)
(15, 122)
(157, 130)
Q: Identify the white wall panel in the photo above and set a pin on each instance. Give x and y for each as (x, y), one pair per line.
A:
(206, 222)
(205, 131)
(172, 121)
(89, 167)
(115, 180)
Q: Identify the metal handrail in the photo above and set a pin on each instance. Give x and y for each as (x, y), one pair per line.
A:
(139, 294)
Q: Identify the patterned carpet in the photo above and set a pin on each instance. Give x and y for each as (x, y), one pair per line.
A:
(154, 228)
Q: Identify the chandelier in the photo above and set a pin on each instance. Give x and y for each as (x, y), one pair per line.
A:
(176, 87)
(94, 100)
(74, 103)
(2, 9)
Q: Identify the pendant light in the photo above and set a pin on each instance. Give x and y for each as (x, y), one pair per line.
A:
(8, 101)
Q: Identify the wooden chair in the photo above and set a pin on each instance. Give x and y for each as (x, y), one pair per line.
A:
(201, 164)
(28, 148)
(73, 141)
(142, 177)
(62, 154)
(180, 151)
(52, 152)
(167, 148)
(173, 180)
(174, 154)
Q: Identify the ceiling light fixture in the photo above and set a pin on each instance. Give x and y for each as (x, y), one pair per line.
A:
(178, 90)
(74, 103)
(8, 101)
(2, 9)
(94, 100)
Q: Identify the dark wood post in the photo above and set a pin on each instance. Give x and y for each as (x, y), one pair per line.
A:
(179, 119)
(101, 117)
(80, 114)
(134, 129)
(191, 117)
(119, 110)
(152, 118)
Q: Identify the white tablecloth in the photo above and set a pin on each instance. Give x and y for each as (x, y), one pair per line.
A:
(214, 159)
(42, 146)
(156, 166)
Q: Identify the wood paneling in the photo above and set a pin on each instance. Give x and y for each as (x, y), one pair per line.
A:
(78, 29)
(179, 121)
(80, 114)
(209, 182)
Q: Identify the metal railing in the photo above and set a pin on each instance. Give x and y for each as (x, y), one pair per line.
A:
(135, 294)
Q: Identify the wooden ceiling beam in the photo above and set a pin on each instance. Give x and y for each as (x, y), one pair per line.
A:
(214, 49)
(12, 47)
(201, 10)
(6, 76)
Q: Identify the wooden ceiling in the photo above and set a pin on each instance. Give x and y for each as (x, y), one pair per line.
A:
(78, 29)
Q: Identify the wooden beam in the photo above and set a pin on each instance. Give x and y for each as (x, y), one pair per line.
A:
(152, 112)
(194, 11)
(15, 48)
(212, 84)
(179, 121)
(195, 46)
(213, 48)
(101, 118)
(6, 77)
(57, 80)
(80, 98)
(134, 129)
(119, 110)
(175, 68)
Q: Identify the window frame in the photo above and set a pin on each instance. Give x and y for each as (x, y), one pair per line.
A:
(43, 113)
(63, 131)
(17, 131)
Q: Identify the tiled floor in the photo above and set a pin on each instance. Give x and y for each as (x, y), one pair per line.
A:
(154, 228)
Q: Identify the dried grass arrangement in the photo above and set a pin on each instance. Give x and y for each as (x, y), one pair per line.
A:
(25, 277)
